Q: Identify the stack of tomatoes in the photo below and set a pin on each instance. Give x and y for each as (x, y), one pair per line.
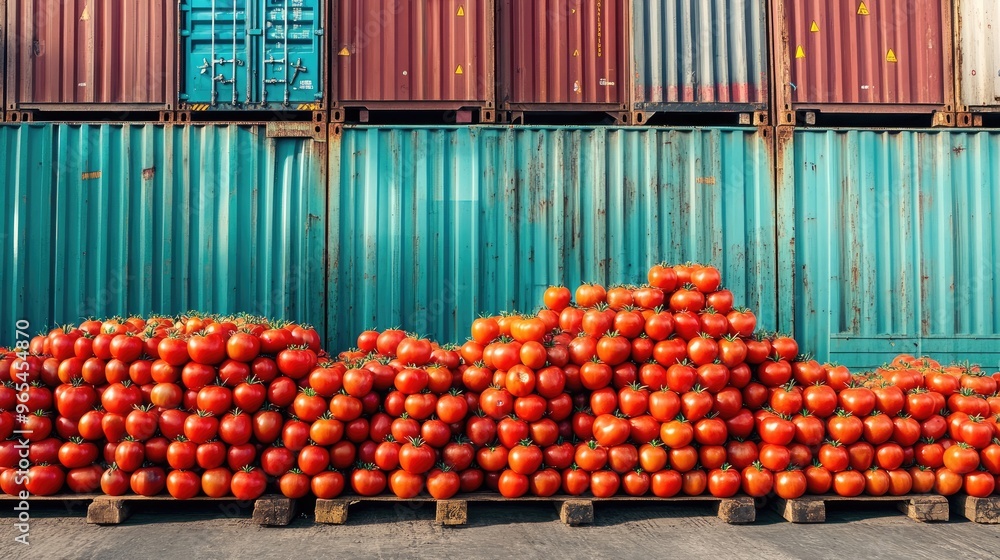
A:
(638, 390)
(391, 416)
(662, 389)
(151, 405)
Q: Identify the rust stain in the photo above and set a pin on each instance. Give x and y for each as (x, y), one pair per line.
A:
(90, 175)
(705, 180)
(148, 173)
(958, 150)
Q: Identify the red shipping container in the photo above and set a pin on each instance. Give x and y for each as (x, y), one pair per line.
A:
(91, 54)
(402, 54)
(563, 55)
(863, 56)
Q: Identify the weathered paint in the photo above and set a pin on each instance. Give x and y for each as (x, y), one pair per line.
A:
(863, 56)
(891, 244)
(410, 53)
(116, 219)
(563, 53)
(677, 68)
(977, 54)
(91, 54)
(253, 54)
(433, 225)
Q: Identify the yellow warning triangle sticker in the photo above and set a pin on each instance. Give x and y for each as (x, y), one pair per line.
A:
(862, 9)
(890, 56)
(576, 52)
(461, 12)
(85, 16)
(800, 52)
(459, 70)
(814, 27)
(344, 52)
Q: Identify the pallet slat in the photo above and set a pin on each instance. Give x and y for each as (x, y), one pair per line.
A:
(269, 510)
(572, 510)
(812, 509)
(977, 510)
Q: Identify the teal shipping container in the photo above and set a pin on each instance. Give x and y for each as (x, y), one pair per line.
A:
(889, 244)
(105, 220)
(434, 225)
(252, 54)
(864, 244)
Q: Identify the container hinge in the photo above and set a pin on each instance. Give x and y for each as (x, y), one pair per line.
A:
(184, 7)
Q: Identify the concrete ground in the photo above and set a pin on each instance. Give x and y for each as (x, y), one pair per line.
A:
(497, 530)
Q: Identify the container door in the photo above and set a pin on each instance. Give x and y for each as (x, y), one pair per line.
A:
(291, 61)
(216, 53)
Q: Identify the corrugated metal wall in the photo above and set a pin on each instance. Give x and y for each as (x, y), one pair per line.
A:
(884, 52)
(414, 51)
(113, 219)
(434, 225)
(563, 52)
(73, 52)
(674, 63)
(894, 244)
(977, 54)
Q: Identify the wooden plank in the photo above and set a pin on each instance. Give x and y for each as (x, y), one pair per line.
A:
(452, 512)
(926, 508)
(812, 509)
(333, 512)
(273, 511)
(737, 510)
(575, 512)
(108, 510)
(802, 510)
(977, 510)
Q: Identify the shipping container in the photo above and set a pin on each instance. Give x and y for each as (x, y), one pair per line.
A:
(891, 244)
(93, 55)
(863, 56)
(122, 219)
(434, 225)
(700, 56)
(415, 56)
(977, 55)
(253, 55)
(564, 55)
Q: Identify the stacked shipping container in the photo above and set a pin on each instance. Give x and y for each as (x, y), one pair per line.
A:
(629, 58)
(885, 56)
(407, 225)
(96, 54)
(977, 57)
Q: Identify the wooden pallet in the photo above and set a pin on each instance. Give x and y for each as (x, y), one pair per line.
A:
(573, 510)
(268, 510)
(977, 510)
(812, 509)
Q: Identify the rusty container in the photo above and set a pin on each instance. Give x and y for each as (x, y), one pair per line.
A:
(564, 55)
(411, 55)
(91, 55)
(863, 56)
(677, 69)
(977, 57)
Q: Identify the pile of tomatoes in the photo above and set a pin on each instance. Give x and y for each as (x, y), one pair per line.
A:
(663, 389)
(149, 405)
